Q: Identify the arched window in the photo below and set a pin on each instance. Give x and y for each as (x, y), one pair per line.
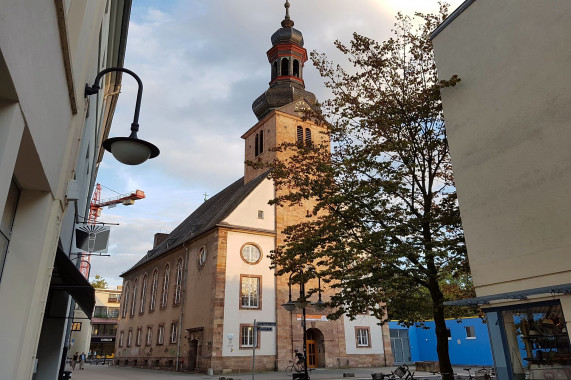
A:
(134, 300)
(125, 300)
(307, 135)
(296, 68)
(144, 293)
(256, 146)
(261, 141)
(178, 287)
(299, 133)
(154, 286)
(285, 66)
(165, 287)
(274, 70)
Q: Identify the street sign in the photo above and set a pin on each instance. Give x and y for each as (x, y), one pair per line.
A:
(269, 328)
(265, 323)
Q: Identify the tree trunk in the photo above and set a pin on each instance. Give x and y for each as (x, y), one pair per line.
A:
(441, 331)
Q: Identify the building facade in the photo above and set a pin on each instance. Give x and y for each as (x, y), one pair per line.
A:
(50, 139)
(96, 336)
(190, 303)
(508, 125)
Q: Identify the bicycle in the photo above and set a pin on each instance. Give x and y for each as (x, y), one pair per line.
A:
(294, 367)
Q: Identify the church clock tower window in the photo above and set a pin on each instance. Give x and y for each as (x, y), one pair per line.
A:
(307, 135)
(296, 68)
(285, 67)
(299, 134)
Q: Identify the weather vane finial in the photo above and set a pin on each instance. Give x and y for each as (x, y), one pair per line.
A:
(287, 22)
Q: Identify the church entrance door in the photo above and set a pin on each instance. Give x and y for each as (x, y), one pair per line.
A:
(312, 358)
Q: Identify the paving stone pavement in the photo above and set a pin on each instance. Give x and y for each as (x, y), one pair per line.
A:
(105, 372)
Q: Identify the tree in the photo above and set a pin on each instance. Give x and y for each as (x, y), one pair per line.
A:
(385, 232)
(99, 282)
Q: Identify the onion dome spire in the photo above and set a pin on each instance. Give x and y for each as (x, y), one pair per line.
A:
(287, 57)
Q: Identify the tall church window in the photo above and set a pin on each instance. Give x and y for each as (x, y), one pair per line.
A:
(125, 300)
(178, 287)
(261, 141)
(134, 301)
(165, 287)
(274, 70)
(285, 66)
(144, 293)
(256, 152)
(154, 286)
(299, 134)
(296, 68)
(250, 292)
(307, 135)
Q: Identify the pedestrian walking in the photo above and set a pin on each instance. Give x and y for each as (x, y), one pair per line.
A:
(81, 360)
(74, 360)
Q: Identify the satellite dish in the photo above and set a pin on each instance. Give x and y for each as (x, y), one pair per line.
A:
(92, 238)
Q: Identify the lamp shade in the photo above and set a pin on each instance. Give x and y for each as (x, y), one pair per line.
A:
(129, 150)
(319, 305)
(289, 306)
(301, 303)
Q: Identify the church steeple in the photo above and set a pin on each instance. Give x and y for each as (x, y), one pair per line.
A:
(287, 57)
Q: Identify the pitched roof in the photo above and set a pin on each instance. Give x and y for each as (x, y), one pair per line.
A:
(207, 216)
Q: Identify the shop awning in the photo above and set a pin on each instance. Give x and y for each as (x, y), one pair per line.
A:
(67, 277)
(517, 295)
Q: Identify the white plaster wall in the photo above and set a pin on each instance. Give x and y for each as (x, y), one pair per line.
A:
(376, 335)
(509, 125)
(246, 214)
(233, 316)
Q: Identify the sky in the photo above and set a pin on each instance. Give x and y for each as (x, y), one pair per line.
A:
(202, 64)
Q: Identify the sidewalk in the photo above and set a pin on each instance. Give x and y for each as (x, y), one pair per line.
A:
(104, 372)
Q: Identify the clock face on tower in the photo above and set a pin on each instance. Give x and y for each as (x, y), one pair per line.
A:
(301, 108)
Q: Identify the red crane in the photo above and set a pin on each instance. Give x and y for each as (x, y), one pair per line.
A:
(95, 211)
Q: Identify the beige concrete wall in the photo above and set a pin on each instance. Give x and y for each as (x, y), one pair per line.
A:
(508, 124)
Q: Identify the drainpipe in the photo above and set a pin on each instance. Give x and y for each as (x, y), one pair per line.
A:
(183, 297)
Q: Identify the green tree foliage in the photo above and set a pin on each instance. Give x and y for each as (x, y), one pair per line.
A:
(385, 233)
(99, 282)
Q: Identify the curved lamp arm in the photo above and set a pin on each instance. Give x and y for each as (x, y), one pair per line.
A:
(128, 150)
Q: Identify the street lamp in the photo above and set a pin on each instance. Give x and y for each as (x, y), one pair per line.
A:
(302, 303)
(127, 150)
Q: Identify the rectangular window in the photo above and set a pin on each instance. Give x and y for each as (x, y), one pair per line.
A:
(114, 298)
(250, 292)
(139, 337)
(470, 332)
(161, 334)
(113, 312)
(100, 312)
(121, 336)
(7, 221)
(149, 335)
(76, 326)
(362, 336)
(129, 338)
(174, 331)
(260, 214)
(246, 336)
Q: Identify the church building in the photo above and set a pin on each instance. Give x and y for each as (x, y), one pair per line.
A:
(191, 301)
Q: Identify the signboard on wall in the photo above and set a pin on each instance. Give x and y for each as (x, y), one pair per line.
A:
(313, 317)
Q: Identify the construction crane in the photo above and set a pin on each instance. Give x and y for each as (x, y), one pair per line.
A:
(95, 211)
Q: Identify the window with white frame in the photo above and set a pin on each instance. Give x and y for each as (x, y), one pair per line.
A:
(250, 291)
(251, 253)
(144, 293)
(7, 221)
(149, 335)
(121, 336)
(246, 336)
(154, 286)
(165, 298)
(125, 300)
(178, 285)
(174, 332)
(161, 334)
(129, 338)
(470, 332)
(134, 300)
(139, 333)
(362, 336)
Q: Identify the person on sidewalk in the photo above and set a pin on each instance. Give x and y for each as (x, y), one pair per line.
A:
(81, 360)
(74, 360)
